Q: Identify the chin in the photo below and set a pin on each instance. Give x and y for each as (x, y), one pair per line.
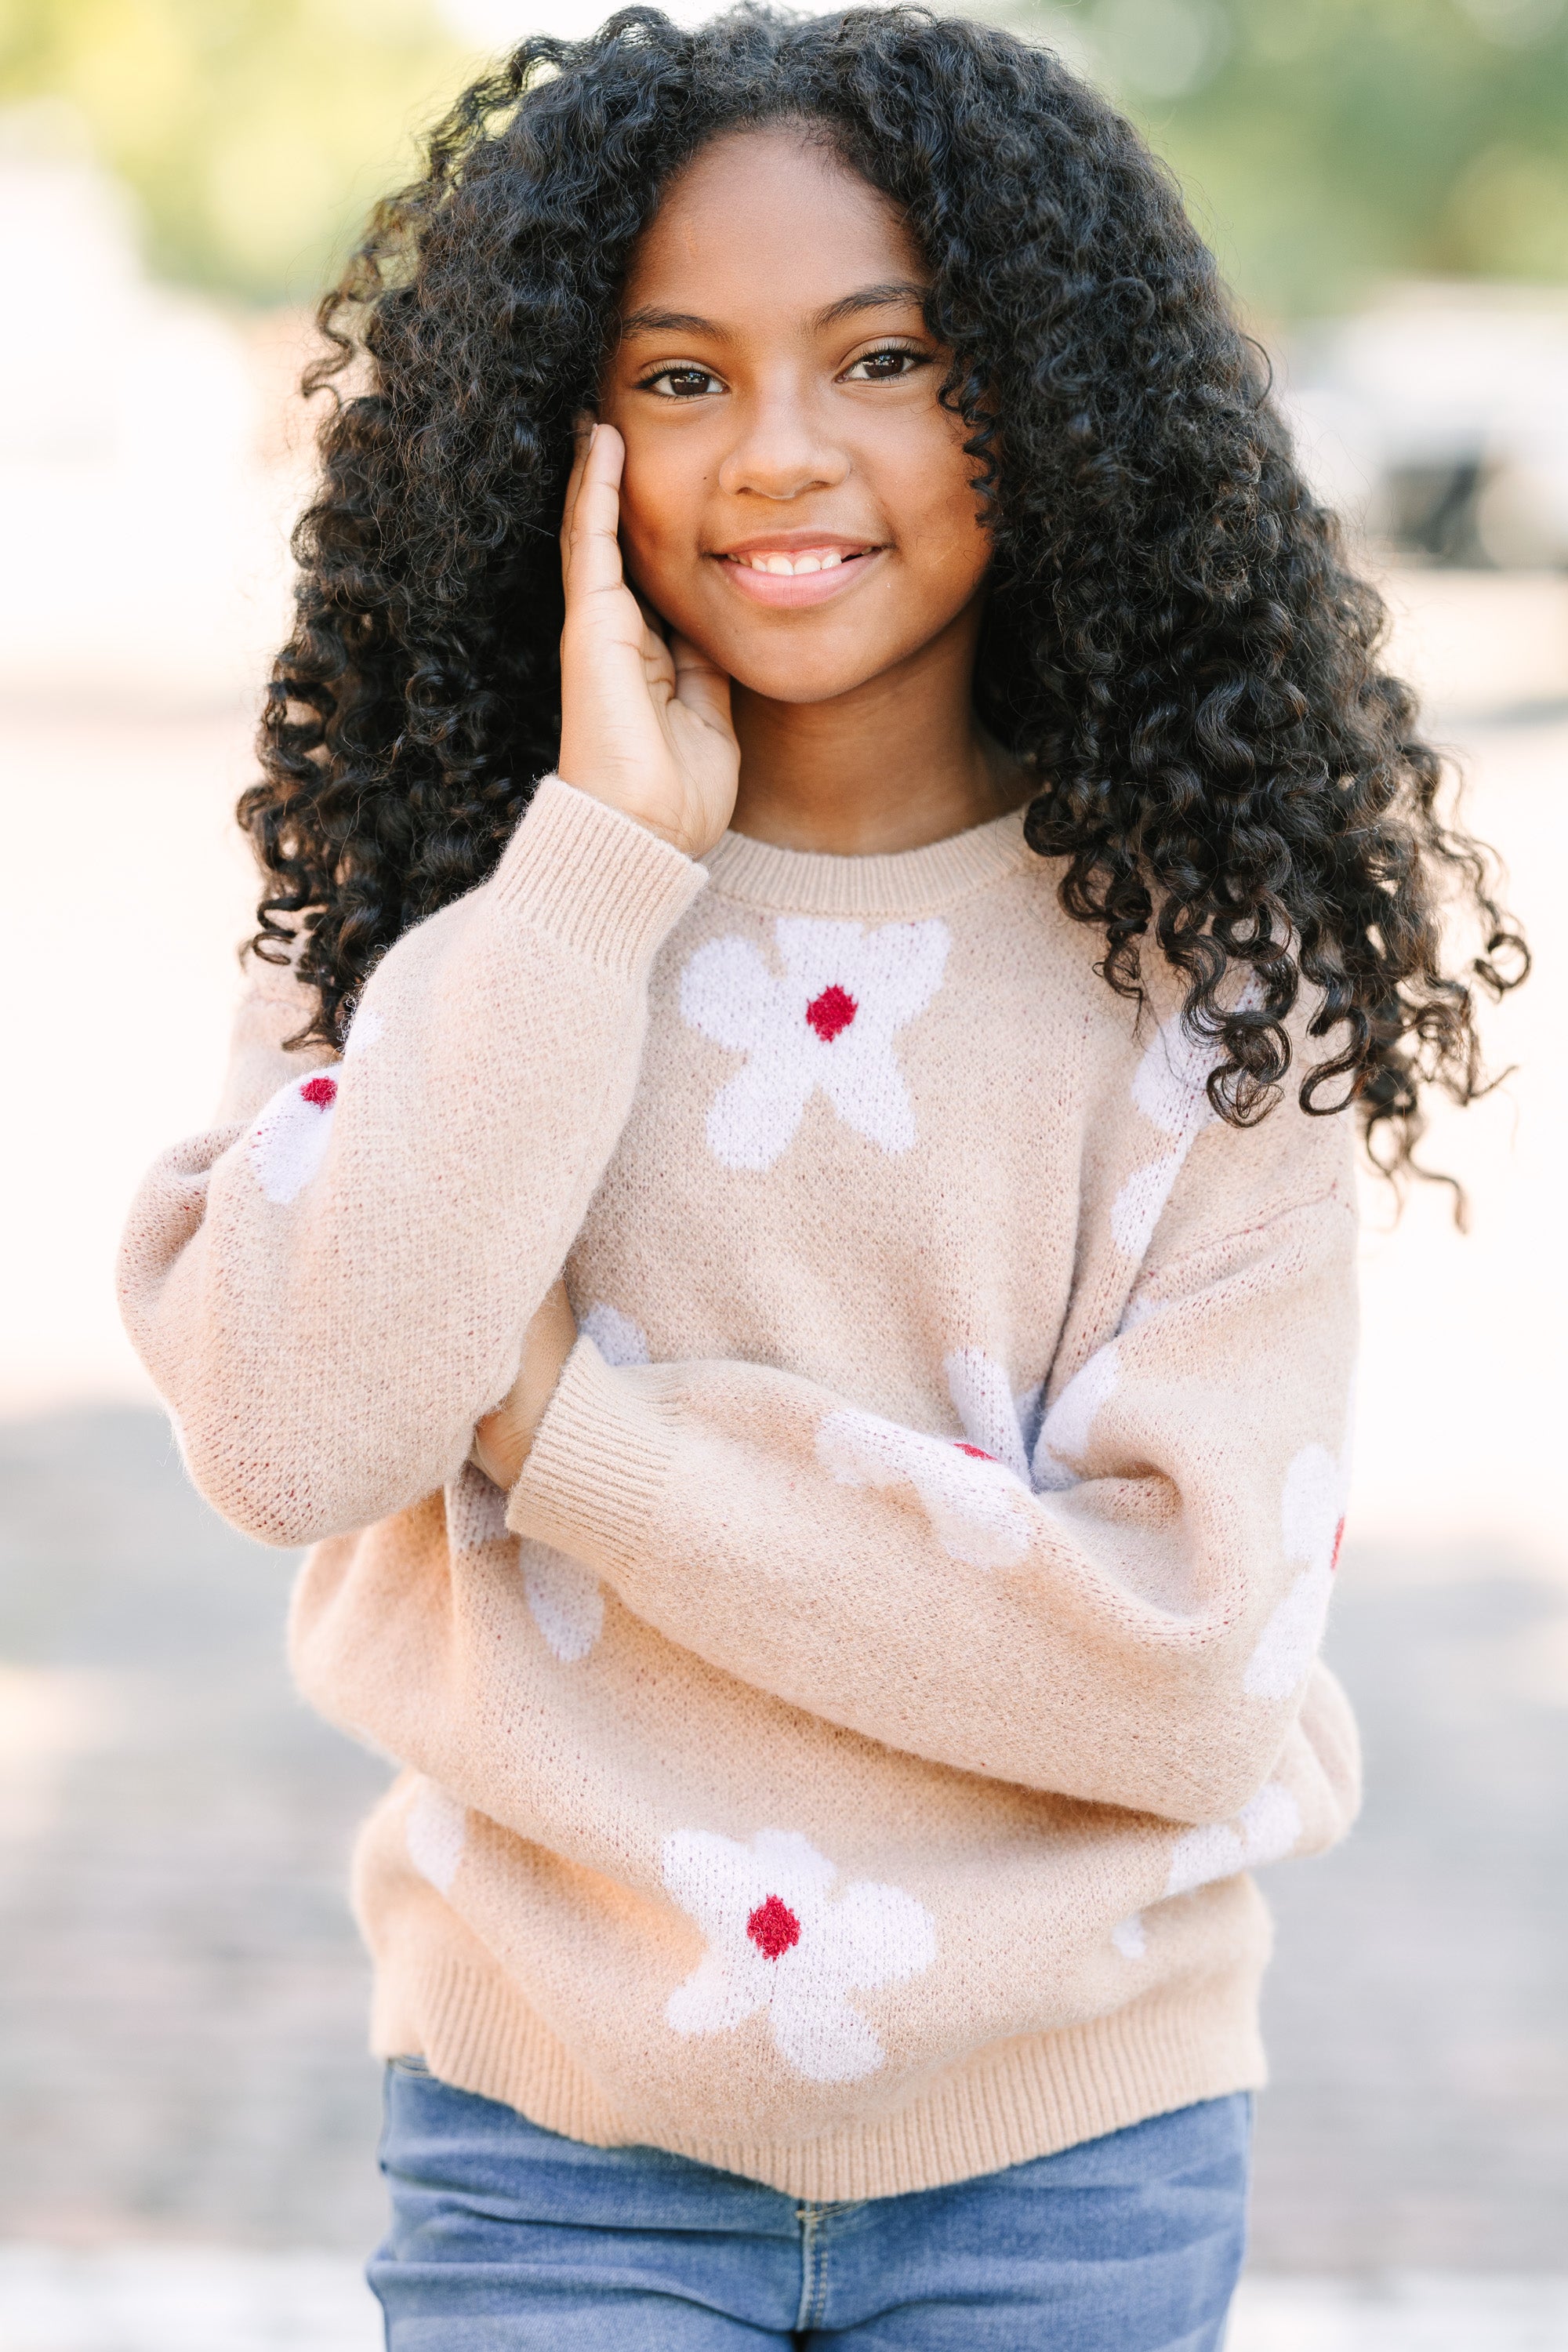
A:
(787, 659)
(789, 682)
(787, 667)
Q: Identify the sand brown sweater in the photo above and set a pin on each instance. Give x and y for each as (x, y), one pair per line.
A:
(839, 1758)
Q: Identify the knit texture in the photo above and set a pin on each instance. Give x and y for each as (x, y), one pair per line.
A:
(841, 1757)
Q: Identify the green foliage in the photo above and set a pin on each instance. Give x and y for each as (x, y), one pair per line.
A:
(1322, 143)
(255, 133)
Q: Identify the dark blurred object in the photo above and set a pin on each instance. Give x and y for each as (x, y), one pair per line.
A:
(1437, 418)
(1432, 512)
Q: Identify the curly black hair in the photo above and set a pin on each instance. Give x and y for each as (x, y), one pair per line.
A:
(1175, 645)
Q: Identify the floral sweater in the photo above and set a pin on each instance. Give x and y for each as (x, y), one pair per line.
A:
(839, 1758)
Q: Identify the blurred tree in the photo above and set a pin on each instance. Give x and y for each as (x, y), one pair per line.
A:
(1322, 143)
(1326, 142)
(255, 133)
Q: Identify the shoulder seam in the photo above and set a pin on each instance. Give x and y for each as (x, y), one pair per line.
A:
(1335, 1194)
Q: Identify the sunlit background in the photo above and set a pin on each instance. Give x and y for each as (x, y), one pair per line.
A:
(186, 2112)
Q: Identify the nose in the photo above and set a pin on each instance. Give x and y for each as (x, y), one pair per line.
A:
(780, 449)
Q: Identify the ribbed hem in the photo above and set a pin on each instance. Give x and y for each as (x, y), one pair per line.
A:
(1020, 2099)
(917, 881)
(594, 879)
(599, 1461)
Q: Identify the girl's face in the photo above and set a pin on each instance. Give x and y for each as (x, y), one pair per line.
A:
(796, 501)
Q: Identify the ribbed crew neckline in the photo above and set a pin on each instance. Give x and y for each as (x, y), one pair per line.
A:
(913, 880)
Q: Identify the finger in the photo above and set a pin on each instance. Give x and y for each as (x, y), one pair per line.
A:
(593, 547)
(583, 441)
(700, 683)
(596, 514)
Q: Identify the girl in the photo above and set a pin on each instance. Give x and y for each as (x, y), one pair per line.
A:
(797, 1270)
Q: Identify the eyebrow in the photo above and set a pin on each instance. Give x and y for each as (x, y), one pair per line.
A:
(899, 293)
(895, 293)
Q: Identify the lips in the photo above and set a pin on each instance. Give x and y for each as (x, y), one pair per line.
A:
(797, 568)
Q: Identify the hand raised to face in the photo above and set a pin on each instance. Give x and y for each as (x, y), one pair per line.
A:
(644, 718)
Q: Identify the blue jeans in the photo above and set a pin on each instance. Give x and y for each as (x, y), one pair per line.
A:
(507, 2236)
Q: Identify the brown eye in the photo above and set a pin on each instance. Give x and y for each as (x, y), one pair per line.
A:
(680, 384)
(888, 366)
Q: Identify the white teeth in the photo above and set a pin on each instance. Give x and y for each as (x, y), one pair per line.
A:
(783, 568)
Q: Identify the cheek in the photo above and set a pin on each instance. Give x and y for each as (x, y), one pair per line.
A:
(664, 487)
(944, 535)
(649, 511)
(663, 497)
(927, 484)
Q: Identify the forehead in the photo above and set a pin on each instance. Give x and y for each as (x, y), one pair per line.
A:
(767, 221)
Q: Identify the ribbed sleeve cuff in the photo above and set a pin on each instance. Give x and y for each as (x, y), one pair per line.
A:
(594, 879)
(599, 1461)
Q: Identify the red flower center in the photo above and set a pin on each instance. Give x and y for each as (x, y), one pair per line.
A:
(832, 1011)
(978, 1451)
(1335, 1555)
(773, 1928)
(322, 1092)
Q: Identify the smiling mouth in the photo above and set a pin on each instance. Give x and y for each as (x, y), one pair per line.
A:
(799, 562)
(801, 572)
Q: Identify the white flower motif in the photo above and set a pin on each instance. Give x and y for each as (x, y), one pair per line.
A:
(776, 1943)
(435, 1831)
(1313, 1522)
(1170, 1087)
(565, 1598)
(1065, 1431)
(619, 1340)
(1030, 1410)
(827, 1022)
(289, 1141)
(978, 1508)
(989, 1413)
(1037, 1446)
(1266, 1829)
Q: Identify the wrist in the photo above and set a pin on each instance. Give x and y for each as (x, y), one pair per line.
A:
(499, 1450)
(636, 808)
(619, 791)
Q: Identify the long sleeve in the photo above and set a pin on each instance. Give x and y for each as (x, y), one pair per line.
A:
(1127, 1614)
(330, 1286)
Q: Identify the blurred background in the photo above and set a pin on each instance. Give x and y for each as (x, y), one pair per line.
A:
(187, 2114)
